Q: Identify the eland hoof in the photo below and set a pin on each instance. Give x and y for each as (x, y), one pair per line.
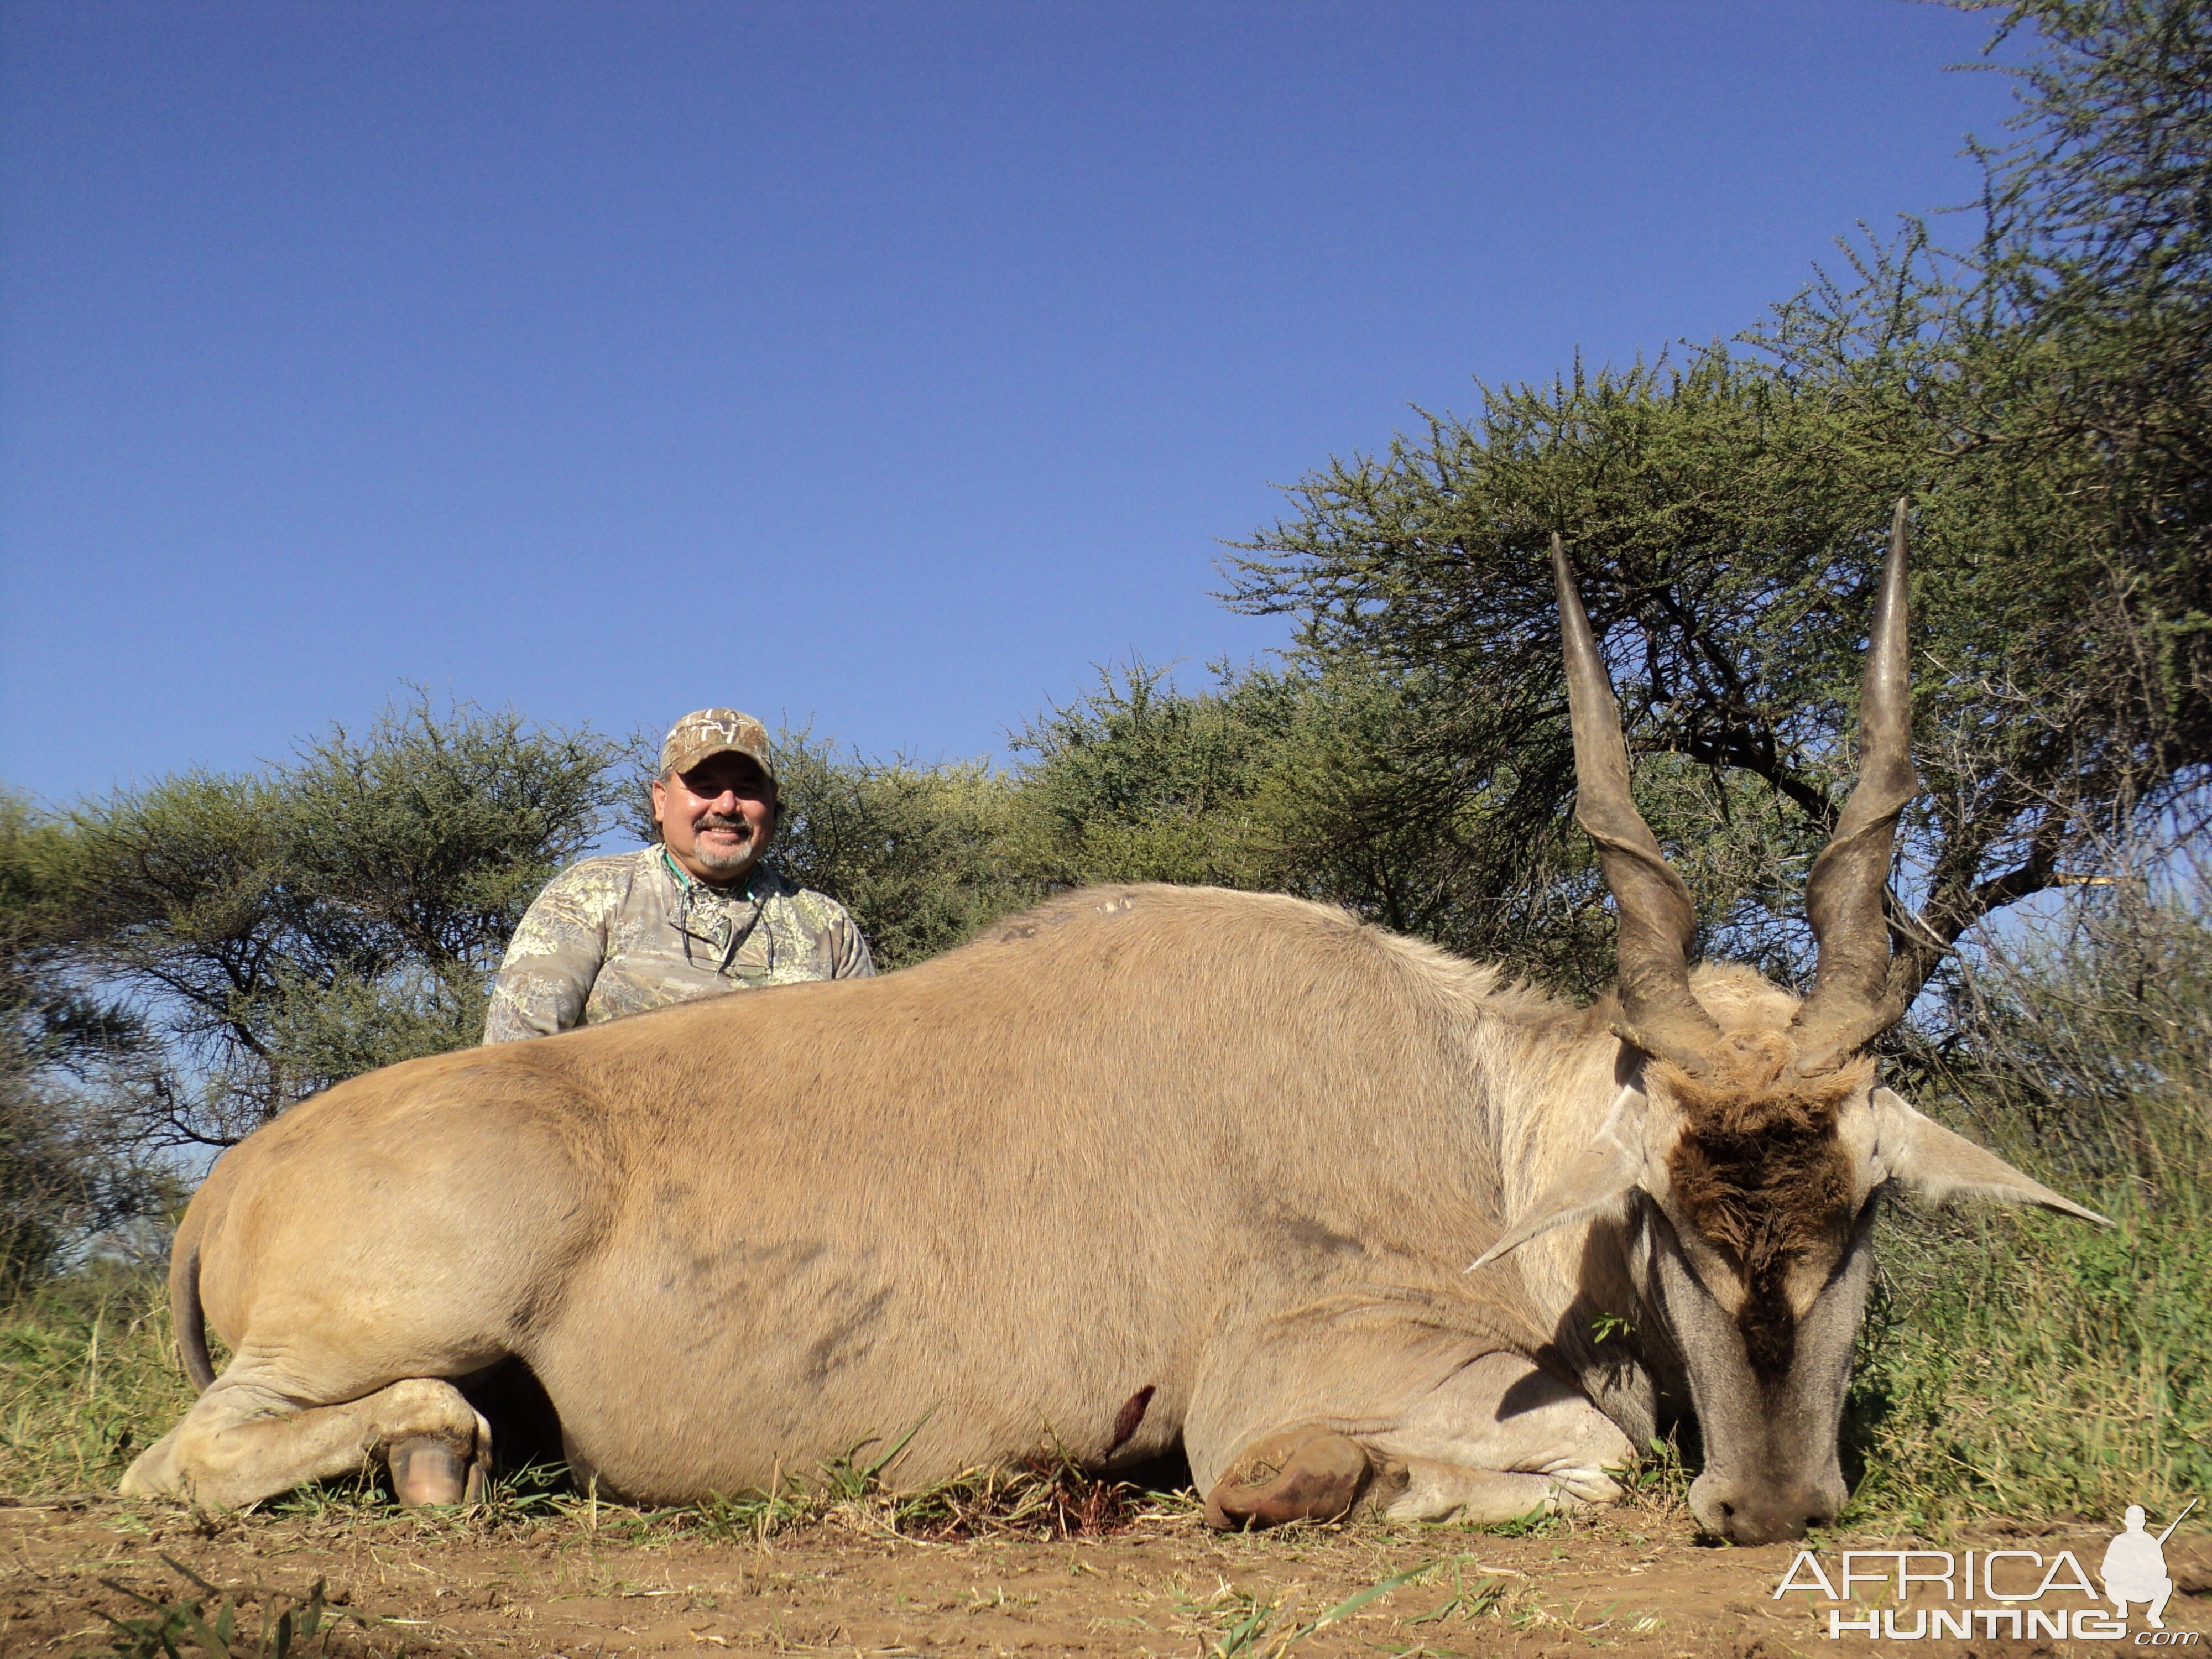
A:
(1305, 1473)
(427, 1471)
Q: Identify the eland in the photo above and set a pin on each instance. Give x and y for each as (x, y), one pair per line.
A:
(1144, 1168)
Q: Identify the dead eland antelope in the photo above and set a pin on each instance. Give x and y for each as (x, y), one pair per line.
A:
(1145, 1165)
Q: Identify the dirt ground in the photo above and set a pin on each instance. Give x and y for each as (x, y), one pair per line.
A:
(435, 1587)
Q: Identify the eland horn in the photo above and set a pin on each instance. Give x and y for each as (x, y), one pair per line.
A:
(1852, 1002)
(1658, 924)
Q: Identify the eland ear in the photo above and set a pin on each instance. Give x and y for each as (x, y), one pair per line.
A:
(1932, 1165)
(1603, 1173)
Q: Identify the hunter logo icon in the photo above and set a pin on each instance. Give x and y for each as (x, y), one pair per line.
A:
(2134, 1568)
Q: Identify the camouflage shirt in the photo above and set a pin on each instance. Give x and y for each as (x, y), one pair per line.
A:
(617, 935)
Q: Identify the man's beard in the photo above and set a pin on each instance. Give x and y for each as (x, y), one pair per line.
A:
(738, 859)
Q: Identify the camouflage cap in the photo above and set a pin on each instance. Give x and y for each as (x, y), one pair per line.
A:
(708, 731)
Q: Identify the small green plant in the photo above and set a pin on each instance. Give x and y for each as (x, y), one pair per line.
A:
(754, 1517)
(846, 1479)
(1243, 1636)
(1463, 1602)
(1658, 1479)
(170, 1627)
(1538, 1522)
(1358, 1599)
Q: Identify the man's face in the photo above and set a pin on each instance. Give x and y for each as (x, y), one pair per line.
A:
(717, 818)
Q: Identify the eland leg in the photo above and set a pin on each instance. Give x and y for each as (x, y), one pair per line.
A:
(249, 1437)
(1497, 1439)
(1306, 1413)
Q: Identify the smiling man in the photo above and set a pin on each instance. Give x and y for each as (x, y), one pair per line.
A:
(696, 915)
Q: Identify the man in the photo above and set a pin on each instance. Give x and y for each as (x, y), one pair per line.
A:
(694, 916)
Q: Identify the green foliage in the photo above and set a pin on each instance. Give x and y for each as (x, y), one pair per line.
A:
(181, 962)
(88, 1369)
(1466, 1601)
(2100, 246)
(1291, 781)
(430, 834)
(339, 912)
(2043, 407)
(1137, 782)
(66, 1166)
(2017, 1363)
(2023, 1368)
(918, 853)
(1726, 522)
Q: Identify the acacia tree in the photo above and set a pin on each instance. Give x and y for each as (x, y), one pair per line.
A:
(282, 931)
(1727, 520)
(68, 1164)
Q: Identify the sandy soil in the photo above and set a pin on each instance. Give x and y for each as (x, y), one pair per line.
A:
(438, 1587)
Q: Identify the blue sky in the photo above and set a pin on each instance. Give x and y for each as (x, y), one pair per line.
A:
(879, 366)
